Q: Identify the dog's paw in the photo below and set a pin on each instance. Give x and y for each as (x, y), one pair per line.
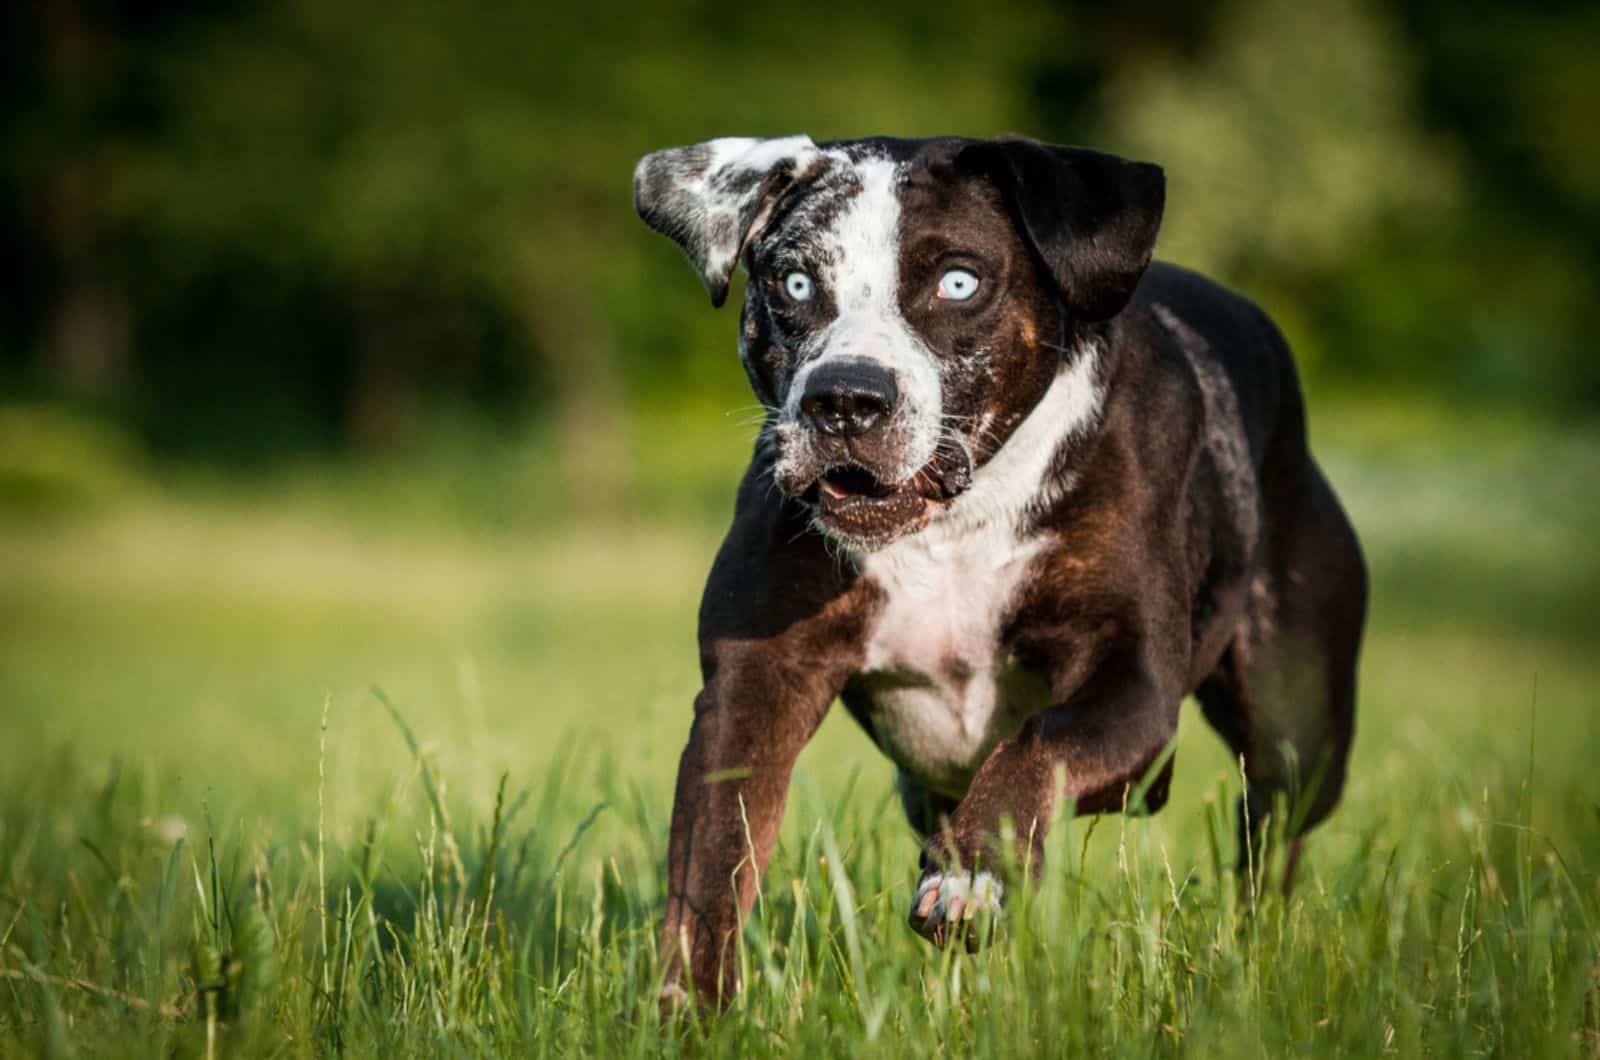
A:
(672, 999)
(947, 905)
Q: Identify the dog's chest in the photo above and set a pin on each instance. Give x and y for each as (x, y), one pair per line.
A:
(938, 689)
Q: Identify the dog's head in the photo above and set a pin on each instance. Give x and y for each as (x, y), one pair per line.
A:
(908, 299)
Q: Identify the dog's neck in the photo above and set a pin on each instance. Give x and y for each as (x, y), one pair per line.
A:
(1025, 474)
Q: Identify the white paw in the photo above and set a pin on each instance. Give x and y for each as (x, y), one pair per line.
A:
(672, 998)
(945, 901)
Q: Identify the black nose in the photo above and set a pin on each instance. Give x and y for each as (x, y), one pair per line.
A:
(848, 397)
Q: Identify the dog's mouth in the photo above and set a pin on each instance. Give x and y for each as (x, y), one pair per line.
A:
(854, 501)
(848, 481)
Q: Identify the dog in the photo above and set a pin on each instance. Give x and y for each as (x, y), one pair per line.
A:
(1018, 493)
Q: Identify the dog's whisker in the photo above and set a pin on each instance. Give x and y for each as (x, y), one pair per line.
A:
(1072, 350)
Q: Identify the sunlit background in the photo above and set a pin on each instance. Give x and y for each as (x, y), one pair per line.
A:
(332, 355)
(333, 352)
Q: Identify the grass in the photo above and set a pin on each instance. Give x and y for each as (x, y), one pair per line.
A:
(217, 838)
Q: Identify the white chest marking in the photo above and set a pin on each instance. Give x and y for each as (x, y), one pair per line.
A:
(938, 687)
(941, 693)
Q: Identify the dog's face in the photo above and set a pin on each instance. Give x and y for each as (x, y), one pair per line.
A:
(908, 301)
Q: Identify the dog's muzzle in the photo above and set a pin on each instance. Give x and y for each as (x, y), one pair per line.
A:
(846, 456)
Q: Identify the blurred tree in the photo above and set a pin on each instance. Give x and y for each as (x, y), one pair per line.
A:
(264, 226)
(1290, 143)
(326, 221)
(1516, 85)
(1407, 187)
(1287, 142)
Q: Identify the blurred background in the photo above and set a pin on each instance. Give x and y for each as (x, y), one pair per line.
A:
(333, 353)
(272, 231)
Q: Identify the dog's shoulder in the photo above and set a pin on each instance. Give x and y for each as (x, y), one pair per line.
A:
(1226, 340)
(1214, 311)
(1197, 381)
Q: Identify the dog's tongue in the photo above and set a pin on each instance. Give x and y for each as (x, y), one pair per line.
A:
(852, 482)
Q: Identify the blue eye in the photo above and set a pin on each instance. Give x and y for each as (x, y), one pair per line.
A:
(957, 285)
(798, 286)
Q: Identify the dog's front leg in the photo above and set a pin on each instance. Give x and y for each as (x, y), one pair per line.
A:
(751, 721)
(1103, 739)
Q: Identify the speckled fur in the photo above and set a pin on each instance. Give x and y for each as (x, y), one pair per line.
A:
(1095, 498)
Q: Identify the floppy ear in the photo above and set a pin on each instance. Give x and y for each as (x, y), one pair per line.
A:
(1091, 217)
(713, 198)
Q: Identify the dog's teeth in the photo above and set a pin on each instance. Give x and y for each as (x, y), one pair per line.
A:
(833, 490)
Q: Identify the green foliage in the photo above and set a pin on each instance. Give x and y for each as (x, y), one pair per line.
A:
(54, 460)
(274, 227)
(1445, 926)
(1288, 141)
(216, 839)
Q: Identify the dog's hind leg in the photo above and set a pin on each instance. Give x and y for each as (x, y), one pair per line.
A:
(1283, 694)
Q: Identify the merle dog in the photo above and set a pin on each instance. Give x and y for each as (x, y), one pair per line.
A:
(1018, 493)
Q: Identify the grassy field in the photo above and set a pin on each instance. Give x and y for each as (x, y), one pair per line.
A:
(217, 839)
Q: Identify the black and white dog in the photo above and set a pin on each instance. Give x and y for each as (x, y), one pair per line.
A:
(1018, 493)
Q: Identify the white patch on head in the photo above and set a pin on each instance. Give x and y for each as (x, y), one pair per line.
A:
(748, 152)
(742, 154)
(863, 247)
(704, 200)
(937, 691)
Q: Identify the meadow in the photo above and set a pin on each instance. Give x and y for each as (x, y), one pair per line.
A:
(378, 760)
